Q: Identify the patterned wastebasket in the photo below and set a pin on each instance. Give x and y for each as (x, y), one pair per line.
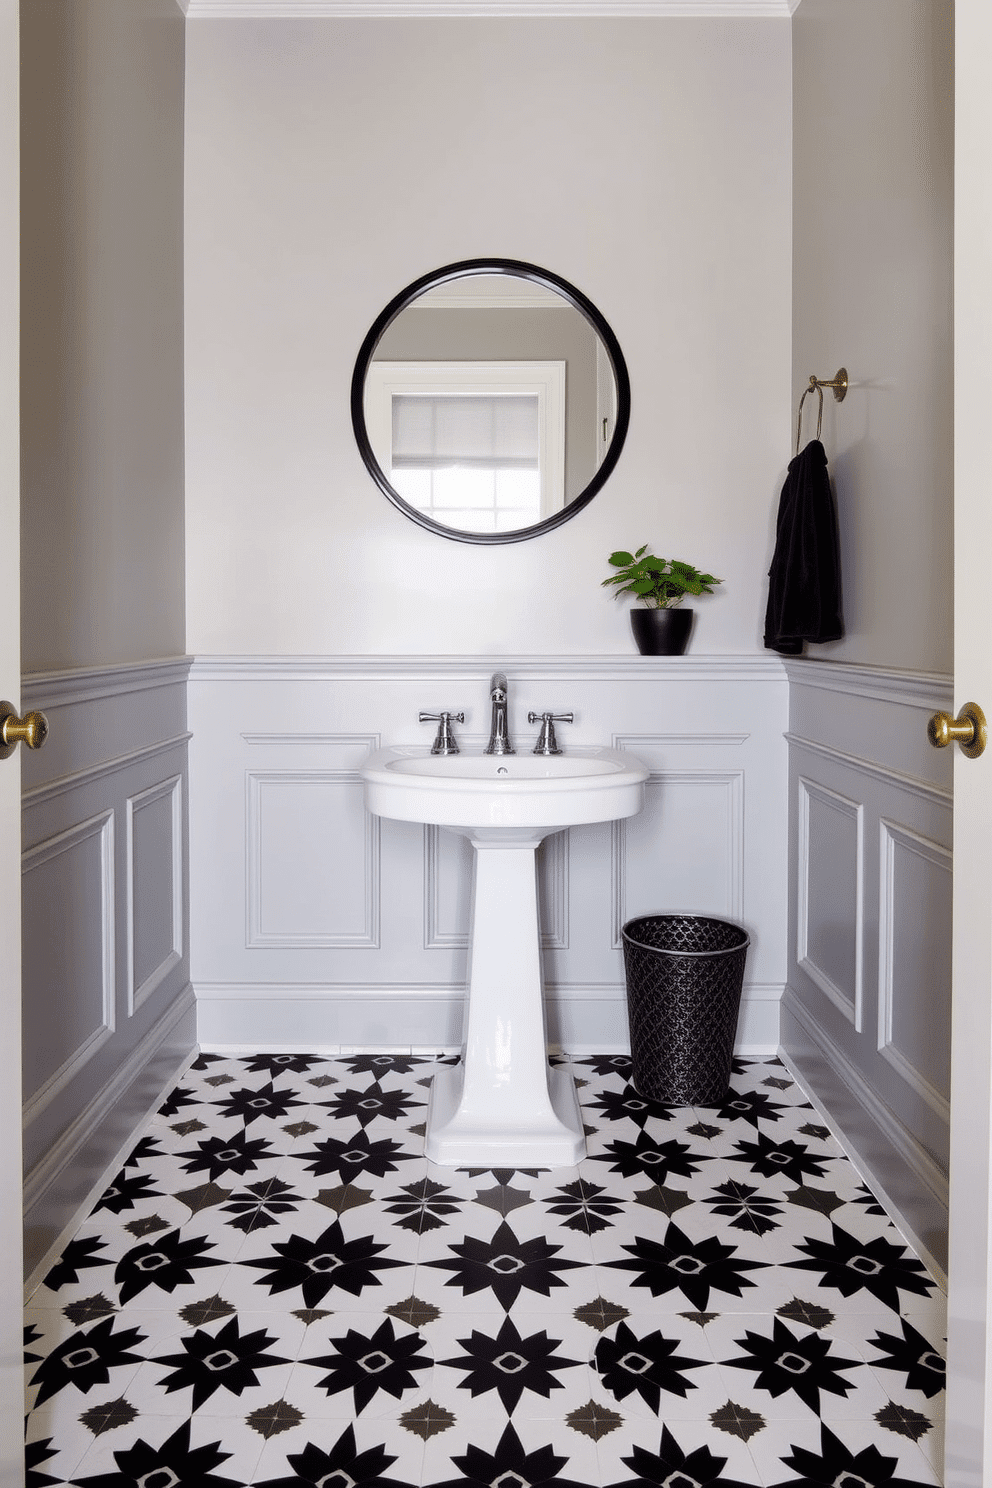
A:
(684, 979)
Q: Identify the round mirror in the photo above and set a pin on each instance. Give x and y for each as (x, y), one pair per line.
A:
(490, 401)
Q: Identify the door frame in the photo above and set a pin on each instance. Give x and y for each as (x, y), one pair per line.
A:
(11, 1315)
(968, 1449)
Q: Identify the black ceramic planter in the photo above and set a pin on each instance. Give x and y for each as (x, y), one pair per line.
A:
(661, 632)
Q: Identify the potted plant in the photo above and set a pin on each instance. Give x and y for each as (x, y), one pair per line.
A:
(661, 628)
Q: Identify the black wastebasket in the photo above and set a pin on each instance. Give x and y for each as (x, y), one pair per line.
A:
(684, 980)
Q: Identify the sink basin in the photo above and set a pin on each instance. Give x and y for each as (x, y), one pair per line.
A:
(503, 1106)
(466, 791)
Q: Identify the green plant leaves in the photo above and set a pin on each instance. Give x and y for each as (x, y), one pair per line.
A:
(660, 581)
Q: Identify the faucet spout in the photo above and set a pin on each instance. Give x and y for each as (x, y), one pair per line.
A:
(499, 736)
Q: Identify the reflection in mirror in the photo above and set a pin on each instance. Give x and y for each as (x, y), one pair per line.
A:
(490, 401)
(475, 444)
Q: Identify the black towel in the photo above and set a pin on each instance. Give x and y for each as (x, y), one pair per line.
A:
(804, 579)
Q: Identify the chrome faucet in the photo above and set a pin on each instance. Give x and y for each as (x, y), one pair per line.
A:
(499, 738)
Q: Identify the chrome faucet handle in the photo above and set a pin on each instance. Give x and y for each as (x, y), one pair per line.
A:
(444, 742)
(546, 741)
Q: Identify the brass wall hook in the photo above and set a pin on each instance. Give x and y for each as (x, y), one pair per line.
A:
(839, 384)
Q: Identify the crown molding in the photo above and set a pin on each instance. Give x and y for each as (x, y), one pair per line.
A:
(239, 10)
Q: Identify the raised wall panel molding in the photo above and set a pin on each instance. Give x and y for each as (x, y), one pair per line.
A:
(894, 838)
(912, 783)
(85, 684)
(100, 828)
(356, 9)
(164, 890)
(59, 1157)
(439, 934)
(597, 668)
(41, 793)
(848, 1001)
(913, 689)
(911, 1151)
(731, 784)
(552, 875)
(364, 931)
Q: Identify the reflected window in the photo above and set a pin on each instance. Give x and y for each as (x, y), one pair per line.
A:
(475, 445)
(470, 461)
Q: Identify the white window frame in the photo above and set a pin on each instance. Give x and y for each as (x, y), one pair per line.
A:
(546, 380)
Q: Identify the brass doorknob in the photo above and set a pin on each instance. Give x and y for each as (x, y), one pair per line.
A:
(31, 730)
(969, 730)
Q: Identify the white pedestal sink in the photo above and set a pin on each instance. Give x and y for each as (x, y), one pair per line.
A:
(502, 1106)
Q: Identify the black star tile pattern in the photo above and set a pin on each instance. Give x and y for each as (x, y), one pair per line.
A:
(277, 1289)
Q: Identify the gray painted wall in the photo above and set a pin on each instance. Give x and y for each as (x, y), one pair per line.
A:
(872, 275)
(870, 802)
(108, 1009)
(102, 331)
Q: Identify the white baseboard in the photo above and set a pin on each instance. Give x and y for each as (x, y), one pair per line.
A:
(897, 1166)
(62, 1188)
(870, 1178)
(283, 1018)
(310, 1017)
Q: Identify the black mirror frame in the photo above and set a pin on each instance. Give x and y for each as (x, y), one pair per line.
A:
(575, 297)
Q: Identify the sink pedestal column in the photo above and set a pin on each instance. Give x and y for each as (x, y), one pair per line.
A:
(503, 1106)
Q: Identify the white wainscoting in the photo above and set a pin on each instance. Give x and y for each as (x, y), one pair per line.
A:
(315, 925)
(108, 1007)
(866, 1014)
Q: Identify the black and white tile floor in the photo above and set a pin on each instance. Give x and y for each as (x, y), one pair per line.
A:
(279, 1290)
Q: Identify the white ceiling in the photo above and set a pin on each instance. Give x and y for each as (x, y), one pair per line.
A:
(297, 9)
